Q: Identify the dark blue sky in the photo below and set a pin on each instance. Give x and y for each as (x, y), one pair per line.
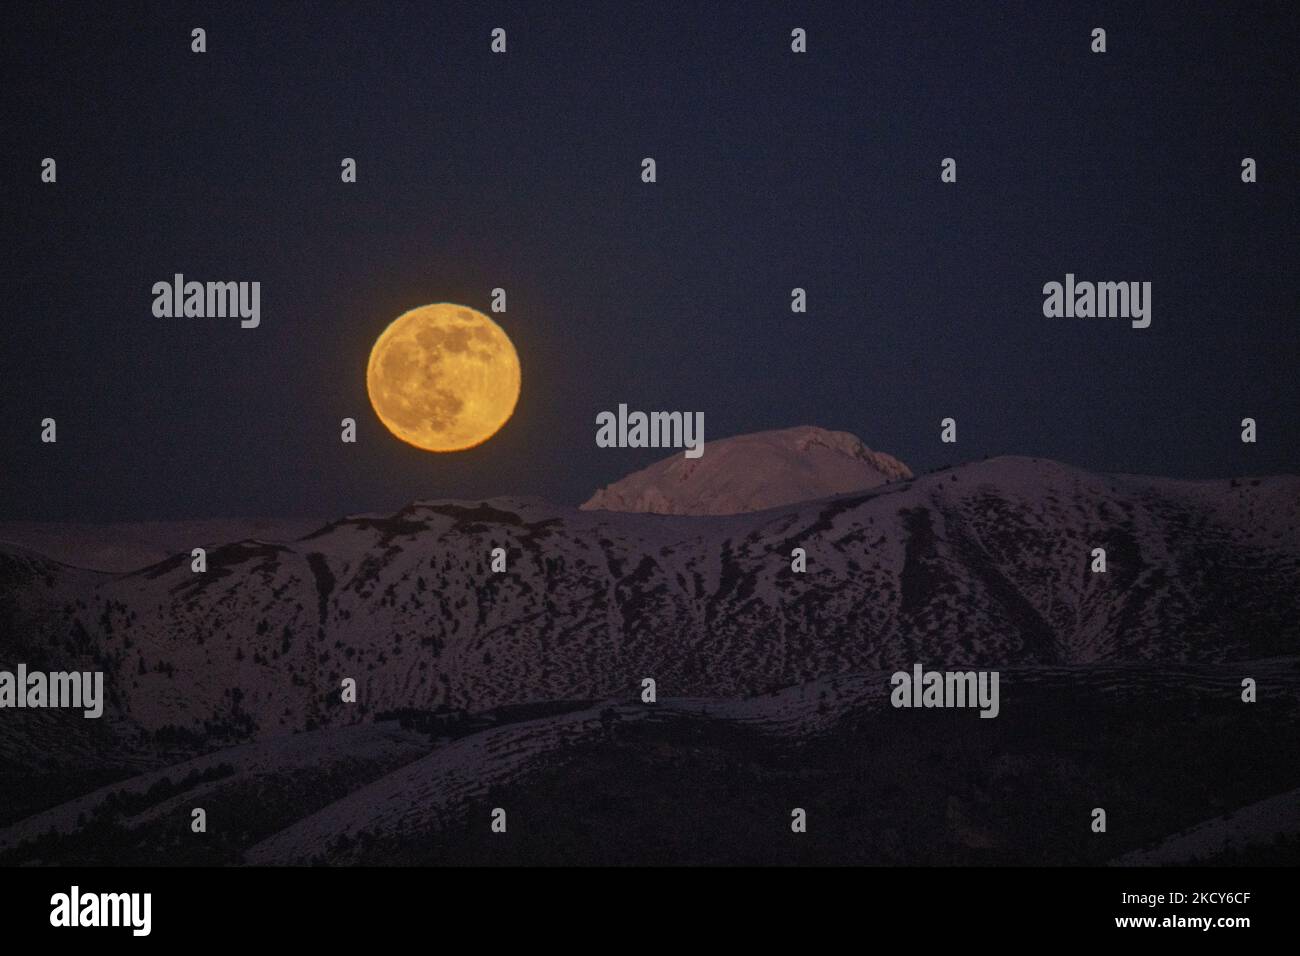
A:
(522, 171)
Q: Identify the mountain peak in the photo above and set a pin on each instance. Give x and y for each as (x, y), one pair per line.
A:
(753, 472)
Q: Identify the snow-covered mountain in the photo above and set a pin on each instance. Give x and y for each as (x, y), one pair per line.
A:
(751, 473)
(988, 563)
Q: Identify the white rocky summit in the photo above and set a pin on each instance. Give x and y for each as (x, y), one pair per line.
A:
(753, 472)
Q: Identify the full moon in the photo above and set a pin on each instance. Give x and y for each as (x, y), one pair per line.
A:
(443, 377)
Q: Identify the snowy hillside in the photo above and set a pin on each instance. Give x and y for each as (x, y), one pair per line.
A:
(983, 564)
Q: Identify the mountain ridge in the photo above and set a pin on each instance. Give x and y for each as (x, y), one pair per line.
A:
(986, 563)
(752, 472)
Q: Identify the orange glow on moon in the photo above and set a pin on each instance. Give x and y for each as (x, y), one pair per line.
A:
(443, 377)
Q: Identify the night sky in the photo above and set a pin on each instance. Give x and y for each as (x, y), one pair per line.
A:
(523, 171)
